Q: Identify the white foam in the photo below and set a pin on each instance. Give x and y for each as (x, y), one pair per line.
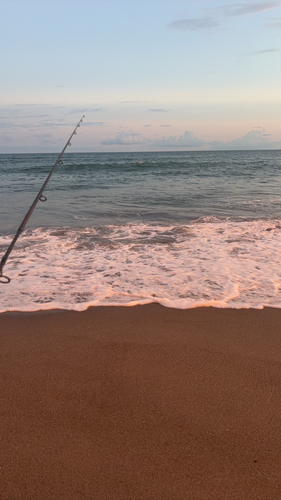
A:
(207, 263)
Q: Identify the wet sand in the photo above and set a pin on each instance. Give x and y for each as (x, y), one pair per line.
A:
(141, 403)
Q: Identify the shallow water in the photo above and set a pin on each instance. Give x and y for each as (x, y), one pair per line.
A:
(182, 229)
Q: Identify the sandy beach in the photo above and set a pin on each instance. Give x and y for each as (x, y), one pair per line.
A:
(144, 402)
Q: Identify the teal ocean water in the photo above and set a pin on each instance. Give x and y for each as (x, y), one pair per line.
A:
(180, 228)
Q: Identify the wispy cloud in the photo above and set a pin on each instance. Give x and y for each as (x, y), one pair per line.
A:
(34, 116)
(24, 116)
(6, 139)
(202, 23)
(265, 51)
(6, 125)
(165, 125)
(233, 10)
(158, 110)
(43, 136)
(147, 125)
(133, 102)
(93, 124)
(243, 9)
(37, 125)
(45, 139)
(84, 110)
(275, 23)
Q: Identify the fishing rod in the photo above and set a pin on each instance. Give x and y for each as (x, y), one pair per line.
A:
(41, 197)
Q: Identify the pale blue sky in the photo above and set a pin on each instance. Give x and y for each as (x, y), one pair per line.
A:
(148, 75)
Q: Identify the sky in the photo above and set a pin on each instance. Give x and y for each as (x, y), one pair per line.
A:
(149, 75)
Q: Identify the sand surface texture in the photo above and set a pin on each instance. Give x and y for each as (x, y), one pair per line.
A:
(141, 403)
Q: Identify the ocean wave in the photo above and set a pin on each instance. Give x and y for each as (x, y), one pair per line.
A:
(209, 262)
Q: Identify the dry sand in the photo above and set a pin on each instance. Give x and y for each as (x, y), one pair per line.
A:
(142, 402)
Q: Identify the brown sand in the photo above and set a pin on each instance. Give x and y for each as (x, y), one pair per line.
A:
(141, 403)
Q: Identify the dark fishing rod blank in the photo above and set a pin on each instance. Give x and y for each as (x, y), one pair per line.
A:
(41, 197)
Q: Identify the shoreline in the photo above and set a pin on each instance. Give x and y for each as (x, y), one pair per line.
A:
(129, 305)
(141, 402)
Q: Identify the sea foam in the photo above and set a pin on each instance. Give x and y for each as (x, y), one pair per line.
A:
(209, 262)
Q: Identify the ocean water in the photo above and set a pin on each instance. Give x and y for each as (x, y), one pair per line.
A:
(184, 229)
